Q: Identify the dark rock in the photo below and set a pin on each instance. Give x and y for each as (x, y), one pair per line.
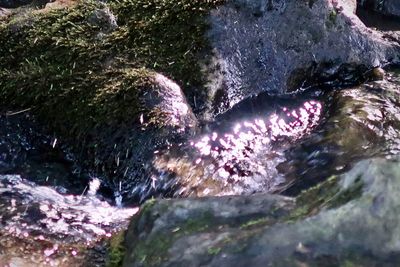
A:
(363, 122)
(171, 219)
(14, 3)
(386, 7)
(293, 43)
(166, 118)
(104, 19)
(19, 3)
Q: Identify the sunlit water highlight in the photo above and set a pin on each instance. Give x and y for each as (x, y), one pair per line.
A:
(242, 157)
(283, 144)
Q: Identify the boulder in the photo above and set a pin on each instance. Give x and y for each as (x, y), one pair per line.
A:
(91, 75)
(286, 44)
(350, 219)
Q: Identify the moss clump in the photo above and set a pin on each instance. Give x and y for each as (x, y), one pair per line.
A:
(54, 64)
(331, 18)
(83, 77)
(168, 34)
(327, 194)
(214, 250)
(200, 223)
(116, 250)
(153, 249)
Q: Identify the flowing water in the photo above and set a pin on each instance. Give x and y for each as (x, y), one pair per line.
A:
(238, 153)
(363, 122)
(52, 212)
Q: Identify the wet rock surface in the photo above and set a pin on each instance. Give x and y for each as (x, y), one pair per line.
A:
(313, 47)
(135, 131)
(357, 225)
(13, 3)
(386, 7)
(51, 212)
(362, 123)
(27, 151)
(347, 218)
(166, 118)
(239, 152)
(123, 114)
(41, 227)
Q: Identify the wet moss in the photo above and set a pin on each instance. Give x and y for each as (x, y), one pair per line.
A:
(154, 248)
(333, 16)
(54, 65)
(116, 250)
(331, 19)
(326, 195)
(214, 250)
(153, 251)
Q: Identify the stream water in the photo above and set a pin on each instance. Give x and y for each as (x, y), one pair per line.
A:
(52, 212)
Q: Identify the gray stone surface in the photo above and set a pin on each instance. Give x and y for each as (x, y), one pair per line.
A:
(280, 45)
(357, 224)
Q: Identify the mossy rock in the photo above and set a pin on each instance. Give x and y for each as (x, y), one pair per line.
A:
(349, 220)
(87, 78)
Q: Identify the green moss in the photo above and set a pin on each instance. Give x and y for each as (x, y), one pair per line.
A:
(332, 16)
(327, 194)
(198, 224)
(170, 35)
(331, 20)
(54, 65)
(256, 222)
(213, 250)
(80, 79)
(153, 251)
(154, 248)
(116, 250)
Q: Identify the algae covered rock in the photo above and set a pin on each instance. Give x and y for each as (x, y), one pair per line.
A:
(352, 219)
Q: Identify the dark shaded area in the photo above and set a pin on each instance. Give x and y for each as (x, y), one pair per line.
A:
(377, 20)
(26, 151)
(384, 7)
(14, 3)
(19, 3)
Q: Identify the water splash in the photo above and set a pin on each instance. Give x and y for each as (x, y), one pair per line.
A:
(240, 158)
(40, 213)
